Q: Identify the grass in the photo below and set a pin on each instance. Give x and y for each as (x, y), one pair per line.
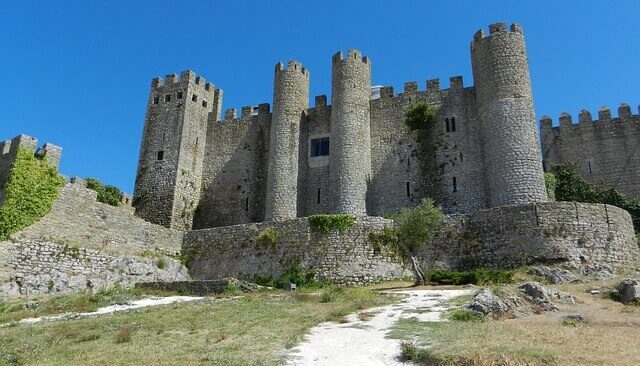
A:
(534, 340)
(254, 329)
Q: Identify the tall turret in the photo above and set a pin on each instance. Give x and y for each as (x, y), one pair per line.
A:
(290, 101)
(511, 154)
(169, 173)
(350, 139)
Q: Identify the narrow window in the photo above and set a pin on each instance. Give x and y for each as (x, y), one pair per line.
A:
(318, 199)
(197, 141)
(453, 124)
(204, 103)
(194, 98)
(164, 136)
(455, 185)
(246, 204)
(589, 164)
(447, 123)
(160, 155)
(179, 95)
(167, 98)
(319, 147)
(156, 100)
(408, 189)
(461, 157)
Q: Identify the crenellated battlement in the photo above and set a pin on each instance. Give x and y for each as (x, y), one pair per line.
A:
(497, 28)
(432, 85)
(350, 57)
(292, 65)
(247, 111)
(186, 76)
(584, 117)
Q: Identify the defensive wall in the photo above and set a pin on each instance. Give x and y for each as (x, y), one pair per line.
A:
(575, 234)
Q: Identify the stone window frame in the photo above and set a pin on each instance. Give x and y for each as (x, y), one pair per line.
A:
(160, 155)
(321, 160)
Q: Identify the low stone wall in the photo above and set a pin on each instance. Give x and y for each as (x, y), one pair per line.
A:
(77, 219)
(507, 237)
(345, 258)
(33, 268)
(577, 234)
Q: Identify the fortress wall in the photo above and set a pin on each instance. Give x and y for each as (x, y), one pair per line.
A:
(77, 219)
(508, 237)
(428, 166)
(605, 151)
(235, 169)
(314, 191)
(345, 258)
(39, 267)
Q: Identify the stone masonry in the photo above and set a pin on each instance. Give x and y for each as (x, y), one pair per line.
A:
(354, 156)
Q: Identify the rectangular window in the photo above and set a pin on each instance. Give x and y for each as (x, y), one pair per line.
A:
(179, 95)
(246, 204)
(320, 147)
(167, 98)
(408, 189)
(318, 200)
(590, 171)
(455, 185)
(204, 103)
(160, 155)
(156, 100)
(194, 98)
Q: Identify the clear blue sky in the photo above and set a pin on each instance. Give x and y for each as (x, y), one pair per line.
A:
(77, 73)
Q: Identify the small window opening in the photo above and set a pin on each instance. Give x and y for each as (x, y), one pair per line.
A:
(194, 98)
(461, 157)
(453, 124)
(204, 103)
(167, 98)
(246, 204)
(455, 185)
(164, 136)
(156, 100)
(408, 189)
(179, 95)
(160, 155)
(589, 164)
(447, 123)
(318, 199)
(320, 147)
(197, 141)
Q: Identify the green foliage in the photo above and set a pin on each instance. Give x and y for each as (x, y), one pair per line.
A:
(415, 227)
(480, 276)
(267, 238)
(570, 187)
(293, 274)
(420, 116)
(106, 193)
(465, 315)
(124, 335)
(550, 182)
(161, 263)
(30, 191)
(387, 238)
(330, 293)
(232, 288)
(327, 223)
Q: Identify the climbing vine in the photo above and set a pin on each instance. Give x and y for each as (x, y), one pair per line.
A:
(420, 116)
(106, 193)
(326, 223)
(29, 192)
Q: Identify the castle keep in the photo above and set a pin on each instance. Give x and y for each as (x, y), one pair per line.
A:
(198, 169)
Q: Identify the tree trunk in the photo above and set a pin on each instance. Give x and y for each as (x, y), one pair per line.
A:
(420, 279)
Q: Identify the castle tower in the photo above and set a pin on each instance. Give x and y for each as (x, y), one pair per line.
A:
(350, 139)
(290, 101)
(169, 172)
(511, 154)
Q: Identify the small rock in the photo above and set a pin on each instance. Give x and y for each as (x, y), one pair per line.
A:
(628, 290)
(31, 305)
(543, 296)
(573, 319)
(554, 275)
(486, 302)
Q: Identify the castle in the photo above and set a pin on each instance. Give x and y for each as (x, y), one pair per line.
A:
(198, 169)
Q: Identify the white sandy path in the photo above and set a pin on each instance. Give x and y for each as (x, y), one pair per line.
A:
(364, 342)
(137, 304)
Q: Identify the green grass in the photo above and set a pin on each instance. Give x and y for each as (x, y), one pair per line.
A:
(252, 330)
(465, 315)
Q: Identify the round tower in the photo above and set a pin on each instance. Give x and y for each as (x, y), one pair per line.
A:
(508, 130)
(350, 140)
(290, 101)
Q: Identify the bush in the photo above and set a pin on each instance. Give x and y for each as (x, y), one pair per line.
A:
(480, 276)
(29, 192)
(267, 238)
(416, 226)
(327, 223)
(106, 193)
(465, 315)
(387, 238)
(550, 183)
(420, 116)
(293, 274)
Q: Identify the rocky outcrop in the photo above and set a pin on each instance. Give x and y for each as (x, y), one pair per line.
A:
(628, 291)
(542, 296)
(554, 275)
(32, 268)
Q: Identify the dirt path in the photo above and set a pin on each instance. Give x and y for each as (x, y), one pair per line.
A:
(361, 342)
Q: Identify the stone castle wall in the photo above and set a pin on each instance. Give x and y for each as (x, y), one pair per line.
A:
(605, 152)
(576, 234)
(77, 219)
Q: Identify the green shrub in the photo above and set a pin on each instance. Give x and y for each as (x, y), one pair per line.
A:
(330, 293)
(124, 335)
(420, 116)
(106, 193)
(465, 315)
(267, 238)
(479, 276)
(415, 227)
(550, 183)
(387, 238)
(161, 263)
(327, 223)
(30, 191)
(293, 274)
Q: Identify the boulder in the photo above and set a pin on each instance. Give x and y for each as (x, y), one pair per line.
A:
(628, 291)
(572, 319)
(544, 296)
(554, 275)
(597, 271)
(487, 303)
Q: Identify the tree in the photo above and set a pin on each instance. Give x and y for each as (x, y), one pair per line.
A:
(420, 116)
(415, 227)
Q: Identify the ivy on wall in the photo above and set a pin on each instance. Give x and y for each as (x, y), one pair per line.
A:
(30, 191)
(106, 193)
(326, 223)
